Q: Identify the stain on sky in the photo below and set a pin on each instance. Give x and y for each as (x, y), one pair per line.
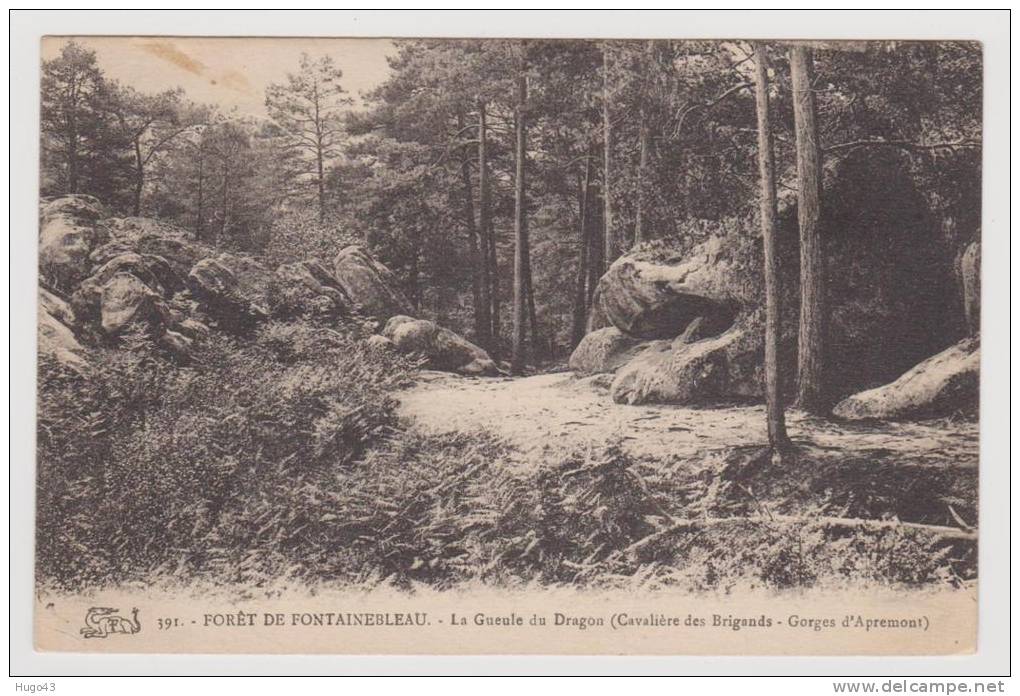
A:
(166, 50)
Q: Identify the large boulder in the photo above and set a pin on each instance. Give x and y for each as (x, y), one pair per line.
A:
(686, 323)
(649, 297)
(443, 349)
(307, 287)
(127, 302)
(369, 284)
(231, 289)
(891, 291)
(152, 237)
(603, 351)
(77, 206)
(943, 384)
(970, 276)
(68, 233)
(153, 271)
(56, 307)
(720, 368)
(56, 338)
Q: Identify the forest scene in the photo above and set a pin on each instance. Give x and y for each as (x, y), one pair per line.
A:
(644, 314)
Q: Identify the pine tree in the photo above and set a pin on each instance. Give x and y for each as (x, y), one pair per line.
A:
(767, 213)
(810, 352)
(308, 108)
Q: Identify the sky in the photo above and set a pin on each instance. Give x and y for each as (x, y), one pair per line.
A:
(228, 72)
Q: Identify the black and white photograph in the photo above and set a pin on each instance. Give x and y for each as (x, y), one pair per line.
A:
(635, 346)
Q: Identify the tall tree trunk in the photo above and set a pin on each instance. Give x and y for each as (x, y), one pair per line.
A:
(322, 184)
(581, 280)
(767, 212)
(72, 165)
(810, 377)
(442, 293)
(201, 181)
(641, 211)
(494, 292)
(136, 204)
(596, 243)
(224, 203)
(521, 264)
(479, 306)
(490, 268)
(529, 293)
(414, 273)
(607, 140)
(72, 149)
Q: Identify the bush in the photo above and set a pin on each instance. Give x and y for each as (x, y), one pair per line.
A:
(140, 466)
(298, 235)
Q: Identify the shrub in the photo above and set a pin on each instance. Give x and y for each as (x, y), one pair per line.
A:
(139, 464)
(298, 235)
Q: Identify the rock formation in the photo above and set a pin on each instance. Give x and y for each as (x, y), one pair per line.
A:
(68, 233)
(891, 297)
(370, 285)
(442, 348)
(604, 351)
(941, 385)
(148, 278)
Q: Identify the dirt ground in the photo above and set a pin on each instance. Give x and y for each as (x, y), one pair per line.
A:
(549, 411)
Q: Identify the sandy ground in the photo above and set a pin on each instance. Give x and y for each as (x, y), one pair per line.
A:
(552, 411)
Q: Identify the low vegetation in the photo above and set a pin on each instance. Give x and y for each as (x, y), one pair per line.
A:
(281, 460)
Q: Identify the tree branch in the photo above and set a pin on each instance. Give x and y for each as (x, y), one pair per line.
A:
(683, 114)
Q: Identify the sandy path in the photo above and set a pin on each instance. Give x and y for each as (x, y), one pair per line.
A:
(550, 411)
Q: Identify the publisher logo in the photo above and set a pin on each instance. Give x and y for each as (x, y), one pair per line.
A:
(101, 622)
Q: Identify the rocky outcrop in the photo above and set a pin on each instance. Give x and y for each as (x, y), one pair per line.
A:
(146, 236)
(127, 302)
(56, 338)
(721, 368)
(891, 295)
(307, 287)
(970, 276)
(684, 328)
(604, 351)
(369, 284)
(68, 233)
(231, 289)
(941, 385)
(117, 277)
(153, 271)
(56, 307)
(657, 298)
(77, 206)
(443, 349)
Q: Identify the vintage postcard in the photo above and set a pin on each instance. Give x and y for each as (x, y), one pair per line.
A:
(508, 346)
